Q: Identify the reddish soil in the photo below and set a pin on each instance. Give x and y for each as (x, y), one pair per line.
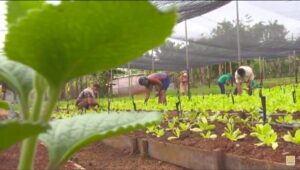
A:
(245, 147)
(95, 156)
(100, 156)
(9, 159)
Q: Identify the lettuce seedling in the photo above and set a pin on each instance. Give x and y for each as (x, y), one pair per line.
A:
(232, 134)
(290, 138)
(176, 133)
(203, 125)
(184, 126)
(208, 135)
(285, 119)
(266, 135)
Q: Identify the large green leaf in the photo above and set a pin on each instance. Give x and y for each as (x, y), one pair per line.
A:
(69, 135)
(17, 9)
(12, 132)
(18, 76)
(79, 37)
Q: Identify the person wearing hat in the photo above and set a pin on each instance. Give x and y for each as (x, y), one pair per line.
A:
(183, 83)
(222, 80)
(244, 74)
(160, 81)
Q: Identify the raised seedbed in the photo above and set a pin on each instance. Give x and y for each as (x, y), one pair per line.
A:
(196, 158)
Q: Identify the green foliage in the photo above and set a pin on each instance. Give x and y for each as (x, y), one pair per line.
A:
(203, 125)
(172, 123)
(61, 44)
(4, 105)
(155, 130)
(285, 119)
(66, 136)
(232, 134)
(19, 77)
(176, 133)
(184, 126)
(266, 135)
(290, 138)
(208, 135)
(18, 10)
(15, 131)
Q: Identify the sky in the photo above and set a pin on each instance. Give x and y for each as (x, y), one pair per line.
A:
(258, 10)
(283, 11)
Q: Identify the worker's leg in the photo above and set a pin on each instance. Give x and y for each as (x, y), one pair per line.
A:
(222, 88)
(239, 88)
(162, 97)
(249, 88)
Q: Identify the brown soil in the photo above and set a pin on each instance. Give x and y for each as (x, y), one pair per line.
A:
(9, 159)
(101, 156)
(95, 156)
(245, 147)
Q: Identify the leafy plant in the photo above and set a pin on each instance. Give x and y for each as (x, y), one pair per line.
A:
(156, 130)
(48, 45)
(266, 135)
(176, 133)
(203, 125)
(285, 119)
(208, 135)
(223, 118)
(290, 138)
(172, 123)
(184, 126)
(232, 134)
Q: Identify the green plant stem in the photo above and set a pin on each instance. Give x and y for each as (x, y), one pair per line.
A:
(54, 93)
(27, 153)
(29, 145)
(24, 109)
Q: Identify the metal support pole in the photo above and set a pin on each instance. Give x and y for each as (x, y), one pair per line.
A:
(187, 59)
(152, 55)
(296, 66)
(238, 33)
(129, 86)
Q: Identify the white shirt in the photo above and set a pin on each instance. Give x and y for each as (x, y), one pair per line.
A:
(249, 76)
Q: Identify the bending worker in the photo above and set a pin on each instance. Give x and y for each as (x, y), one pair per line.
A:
(244, 74)
(87, 97)
(161, 83)
(224, 79)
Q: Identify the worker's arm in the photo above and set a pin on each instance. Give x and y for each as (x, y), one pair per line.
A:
(147, 95)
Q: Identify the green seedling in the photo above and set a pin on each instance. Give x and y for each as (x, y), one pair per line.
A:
(159, 132)
(172, 123)
(290, 138)
(176, 133)
(266, 135)
(232, 134)
(285, 119)
(208, 135)
(184, 126)
(203, 125)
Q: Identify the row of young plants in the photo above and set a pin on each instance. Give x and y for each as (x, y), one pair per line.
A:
(278, 99)
(204, 124)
